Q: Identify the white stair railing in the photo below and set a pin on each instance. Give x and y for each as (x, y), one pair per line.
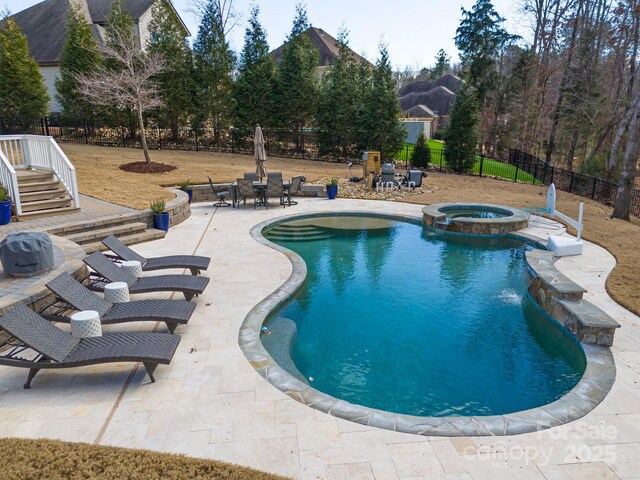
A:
(9, 180)
(41, 152)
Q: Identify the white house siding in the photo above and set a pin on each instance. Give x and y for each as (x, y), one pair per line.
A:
(143, 28)
(416, 127)
(49, 74)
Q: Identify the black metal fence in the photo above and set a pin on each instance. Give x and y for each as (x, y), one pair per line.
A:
(512, 165)
(278, 143)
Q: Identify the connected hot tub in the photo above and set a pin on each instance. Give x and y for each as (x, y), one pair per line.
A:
(474, 218)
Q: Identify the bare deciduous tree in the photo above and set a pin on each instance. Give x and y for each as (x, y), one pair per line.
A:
(128, 82)
(629, 165)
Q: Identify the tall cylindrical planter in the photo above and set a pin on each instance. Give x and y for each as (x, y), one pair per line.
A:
(5, 212)
(189, 191)
(161, 221)
(332, 191)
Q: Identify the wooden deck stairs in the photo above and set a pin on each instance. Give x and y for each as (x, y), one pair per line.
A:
(42, 195)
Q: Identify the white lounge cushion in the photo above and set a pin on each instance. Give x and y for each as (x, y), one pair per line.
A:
(564, 246)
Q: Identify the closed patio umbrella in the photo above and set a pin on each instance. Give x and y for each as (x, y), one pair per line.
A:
(259, 153)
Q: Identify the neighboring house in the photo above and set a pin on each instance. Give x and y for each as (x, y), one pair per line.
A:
(44, 25)
(429, 101)
(328, 49)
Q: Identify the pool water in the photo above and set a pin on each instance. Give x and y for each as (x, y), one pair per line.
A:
(474, 213)
(401, 319)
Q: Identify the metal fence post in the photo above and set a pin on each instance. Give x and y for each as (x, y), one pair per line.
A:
(481, 163)
(86, 132)
(593, 192)
(515, 178)
(571, 183)
(535, 174)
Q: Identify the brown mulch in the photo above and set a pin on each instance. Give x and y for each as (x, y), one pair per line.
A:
(147, 167)
(55, 460)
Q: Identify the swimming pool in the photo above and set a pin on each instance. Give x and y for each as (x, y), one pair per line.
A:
(394, 317)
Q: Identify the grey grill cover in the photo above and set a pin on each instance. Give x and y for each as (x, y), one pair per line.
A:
(26, 254)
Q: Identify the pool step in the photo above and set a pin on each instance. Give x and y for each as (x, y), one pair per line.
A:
(298, 233)
(278, 237)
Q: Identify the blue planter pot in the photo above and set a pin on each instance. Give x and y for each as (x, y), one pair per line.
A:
(332, 191)
(5, 212)
(189, 192)
(161, 221)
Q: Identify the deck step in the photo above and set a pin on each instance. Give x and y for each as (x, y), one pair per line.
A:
(38, 205)
(144, 236)
(47, 213)
(54, 193)
(38, 186)
(34, 176)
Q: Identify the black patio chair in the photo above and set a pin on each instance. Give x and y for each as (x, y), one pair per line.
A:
(36, 344)
(295, 187)
(275, 189)
(221, 192)
(195, 263)
(106, 271)
(79, 297)
(245, 190)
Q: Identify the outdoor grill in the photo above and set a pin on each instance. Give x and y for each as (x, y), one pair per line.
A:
(26, 254)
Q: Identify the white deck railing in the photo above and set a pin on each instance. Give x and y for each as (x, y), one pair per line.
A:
(9, 180)
(39, 152)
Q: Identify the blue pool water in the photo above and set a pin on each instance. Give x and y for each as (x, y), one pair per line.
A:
(404, 320)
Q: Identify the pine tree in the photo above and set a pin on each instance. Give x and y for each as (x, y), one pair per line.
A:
(175, 83)
(421, 156)
(385, 131)
(23, 94)
(442, 64)
(79, 57)
(214, 62)
(256, 77)
(461, 137)
(340, 102)
(480, 38)
(296, 84)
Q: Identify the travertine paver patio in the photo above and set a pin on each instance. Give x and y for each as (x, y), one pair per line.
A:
(91, 209)
(211, 403)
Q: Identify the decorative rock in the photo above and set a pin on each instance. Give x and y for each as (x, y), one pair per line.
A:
(116, 292)
(134, 267)
(86, 324)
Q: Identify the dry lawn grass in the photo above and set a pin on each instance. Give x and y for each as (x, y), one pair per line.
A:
(99, 176)
(55, 460)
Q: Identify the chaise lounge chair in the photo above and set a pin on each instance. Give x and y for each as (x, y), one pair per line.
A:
(54, 348)
(108, 271)
(193, 262)
(67, 288)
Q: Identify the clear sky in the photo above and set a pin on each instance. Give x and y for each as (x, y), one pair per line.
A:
(414, 30)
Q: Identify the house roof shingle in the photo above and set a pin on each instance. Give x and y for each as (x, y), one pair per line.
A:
(447, 80)
(44, 24)
(439, 100)
(327, 46)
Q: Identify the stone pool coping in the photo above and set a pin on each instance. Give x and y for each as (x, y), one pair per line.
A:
(593, 387)
(434, 214)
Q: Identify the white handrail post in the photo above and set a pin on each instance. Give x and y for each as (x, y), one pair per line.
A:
(580, 226)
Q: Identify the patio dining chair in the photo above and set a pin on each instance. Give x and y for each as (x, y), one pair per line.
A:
(251, 176)
(274, 175)
(275, 189)
(35, 343)
(245, 190)
(220, 192)
(294, 188)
